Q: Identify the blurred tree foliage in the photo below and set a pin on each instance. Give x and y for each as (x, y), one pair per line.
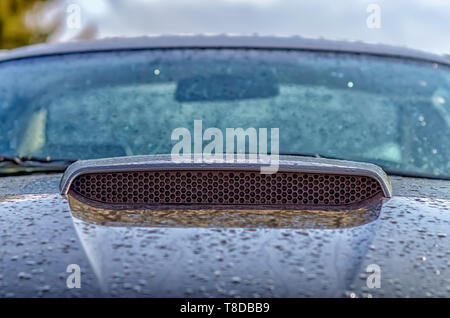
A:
(14, 31)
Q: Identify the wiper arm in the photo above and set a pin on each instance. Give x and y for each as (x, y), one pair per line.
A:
(30, 161)
(28, 164)
(310, 154)
(387, 166)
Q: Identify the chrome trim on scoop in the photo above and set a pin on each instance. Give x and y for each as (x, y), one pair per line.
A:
(164, 162)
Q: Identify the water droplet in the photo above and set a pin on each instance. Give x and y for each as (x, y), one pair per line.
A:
(23, 275)
(236, 280)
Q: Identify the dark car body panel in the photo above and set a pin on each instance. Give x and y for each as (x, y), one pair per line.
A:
(409, 240)
(222, 41)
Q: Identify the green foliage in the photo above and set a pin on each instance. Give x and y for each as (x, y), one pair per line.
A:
(14, 31)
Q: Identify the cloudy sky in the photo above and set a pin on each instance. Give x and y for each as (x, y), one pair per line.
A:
(421, 24)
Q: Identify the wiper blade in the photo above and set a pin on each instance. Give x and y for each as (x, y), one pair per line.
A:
(29, 164)
(387, 166)
(310, 154)
(30, 161)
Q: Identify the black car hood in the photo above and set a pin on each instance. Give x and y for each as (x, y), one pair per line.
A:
(409, 240)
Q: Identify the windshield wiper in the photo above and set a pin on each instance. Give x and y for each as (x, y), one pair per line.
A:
(310, 154)
(13, 165)
(29, 164)
(385, 165)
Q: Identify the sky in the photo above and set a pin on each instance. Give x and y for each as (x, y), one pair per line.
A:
(419, 24)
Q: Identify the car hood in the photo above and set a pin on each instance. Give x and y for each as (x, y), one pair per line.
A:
(408, 241)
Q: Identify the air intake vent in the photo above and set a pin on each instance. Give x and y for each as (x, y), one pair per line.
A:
(225, 188)
(154, 185)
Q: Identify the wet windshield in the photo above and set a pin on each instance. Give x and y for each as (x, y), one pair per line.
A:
(392, 112)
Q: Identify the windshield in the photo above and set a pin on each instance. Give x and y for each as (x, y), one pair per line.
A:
(389, 111)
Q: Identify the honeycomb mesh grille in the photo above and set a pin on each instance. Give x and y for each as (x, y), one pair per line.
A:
(220, 188)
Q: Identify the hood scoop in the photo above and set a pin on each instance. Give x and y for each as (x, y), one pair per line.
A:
(156, 182)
